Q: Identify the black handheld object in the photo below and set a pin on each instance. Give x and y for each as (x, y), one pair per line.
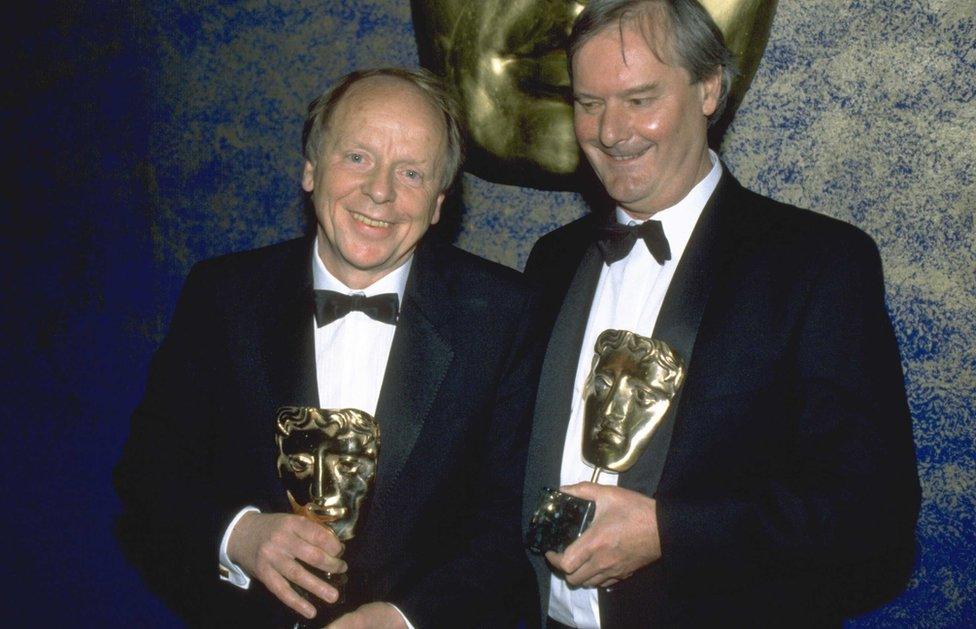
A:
(558, 521)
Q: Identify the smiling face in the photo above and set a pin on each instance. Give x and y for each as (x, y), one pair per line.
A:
(378, 182)
(629, 390)
(640, 120)
(327, 460)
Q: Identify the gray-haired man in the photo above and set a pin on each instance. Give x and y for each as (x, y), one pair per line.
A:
(781, 487)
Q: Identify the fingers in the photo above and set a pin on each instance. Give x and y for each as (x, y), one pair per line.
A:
(593, 571)
(319, 547)
(577, 565)
(314, 585)
(561, 563)
(280, 587)
(279, 575)
(586, 491)
(270, 547)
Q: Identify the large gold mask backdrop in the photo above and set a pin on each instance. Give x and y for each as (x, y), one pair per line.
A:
(147, 135)
(506, 63)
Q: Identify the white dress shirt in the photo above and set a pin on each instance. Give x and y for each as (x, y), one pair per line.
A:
(350, 359)
(628, 296)
(351, 352)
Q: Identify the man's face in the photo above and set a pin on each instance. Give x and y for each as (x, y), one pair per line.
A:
(639, 119)
(625, 400)
(377, 185)
(327, 475)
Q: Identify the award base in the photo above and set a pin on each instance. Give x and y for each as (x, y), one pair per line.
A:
(558, 520)
(323, 610)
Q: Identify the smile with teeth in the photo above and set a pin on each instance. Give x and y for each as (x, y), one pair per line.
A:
(625, 158)
(372, 222)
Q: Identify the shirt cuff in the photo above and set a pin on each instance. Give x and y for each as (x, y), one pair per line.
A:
(230, 571)
(405, 619)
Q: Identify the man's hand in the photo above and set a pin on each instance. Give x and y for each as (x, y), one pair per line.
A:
(379, 615)
(622, 537)
(267, 545)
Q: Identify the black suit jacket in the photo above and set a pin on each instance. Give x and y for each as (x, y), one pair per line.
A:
(439, 536)
(785, 473)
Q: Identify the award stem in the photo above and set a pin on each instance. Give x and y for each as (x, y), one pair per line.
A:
(596, 474)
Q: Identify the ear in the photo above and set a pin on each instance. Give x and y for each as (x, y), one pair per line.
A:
(308, 177)
(710, 87)
(437, 209)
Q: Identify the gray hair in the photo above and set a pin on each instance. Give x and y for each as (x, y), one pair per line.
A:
(430, 86)
(692, 37)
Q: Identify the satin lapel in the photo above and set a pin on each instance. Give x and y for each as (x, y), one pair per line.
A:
(419, 360)
(289, 341)
(555, 396)
(677, 324)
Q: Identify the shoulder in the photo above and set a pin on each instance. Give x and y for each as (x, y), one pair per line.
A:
(787, 228)
(467, 273)
(254, 267)
(560, 250)
(262, 259)
(570, 235)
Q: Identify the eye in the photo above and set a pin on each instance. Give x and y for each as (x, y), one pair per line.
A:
(645, 397)
(413, 175)
(589, 106)
(299, 462)
(348, 468)
(602, 384)
(639, 102)
(355, 158)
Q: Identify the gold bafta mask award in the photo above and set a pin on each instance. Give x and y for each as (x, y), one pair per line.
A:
(629, 390)
(327, 461)
(506, 64)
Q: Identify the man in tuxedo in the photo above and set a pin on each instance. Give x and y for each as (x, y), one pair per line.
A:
(780, 488)
(367, 312)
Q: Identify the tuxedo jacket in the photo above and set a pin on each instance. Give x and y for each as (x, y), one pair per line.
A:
(784, 473)
(439, 533)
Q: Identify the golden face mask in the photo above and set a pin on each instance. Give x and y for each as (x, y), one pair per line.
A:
(630, 388)
(327, 460)
(506, 62)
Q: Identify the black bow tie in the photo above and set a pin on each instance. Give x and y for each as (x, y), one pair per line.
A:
(330, 305)
(617, 240)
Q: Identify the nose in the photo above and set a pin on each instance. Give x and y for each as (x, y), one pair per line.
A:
(323, 488)
(614, 125)
(378, 186)
(615, 404)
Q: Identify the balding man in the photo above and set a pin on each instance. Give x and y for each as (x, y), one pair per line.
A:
(367, 312)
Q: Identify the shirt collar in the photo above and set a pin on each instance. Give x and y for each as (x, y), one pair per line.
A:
(679, 220)
(393, 282)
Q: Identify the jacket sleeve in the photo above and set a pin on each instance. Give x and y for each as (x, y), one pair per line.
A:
(168, 527)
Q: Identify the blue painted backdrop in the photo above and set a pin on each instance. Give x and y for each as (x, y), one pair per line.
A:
(144, 136)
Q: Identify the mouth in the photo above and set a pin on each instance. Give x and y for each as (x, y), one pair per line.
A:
(371, 222)
(625, 157)
(326, 514)
(610, 432)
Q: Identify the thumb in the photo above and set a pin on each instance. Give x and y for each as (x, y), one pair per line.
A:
(586, 491)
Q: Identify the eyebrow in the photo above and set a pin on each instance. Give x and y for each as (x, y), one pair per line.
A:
(639, 89)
